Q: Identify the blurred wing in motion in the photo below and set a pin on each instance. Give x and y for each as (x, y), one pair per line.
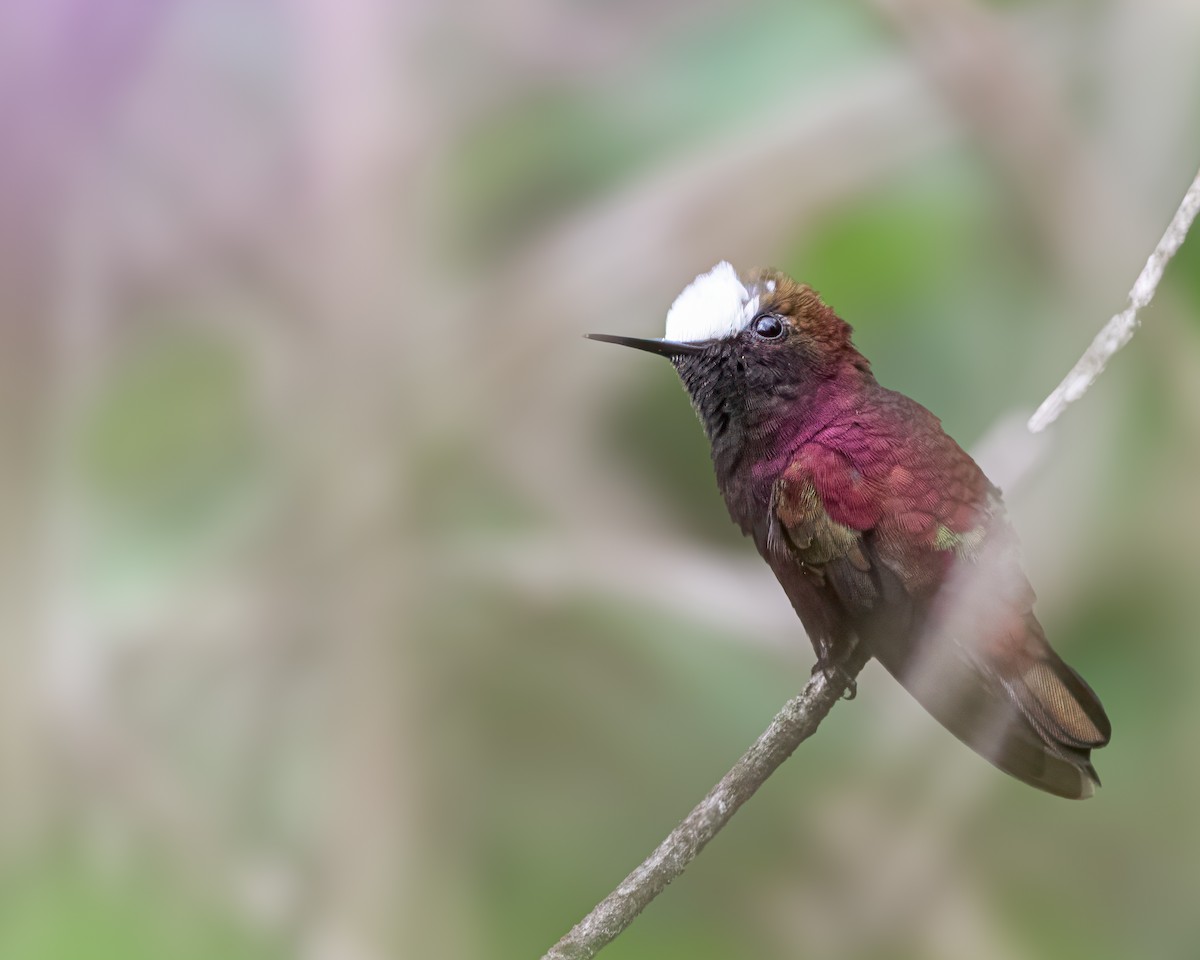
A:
(933, 584)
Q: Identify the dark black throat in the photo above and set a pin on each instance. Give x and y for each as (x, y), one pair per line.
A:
(717, 384)
(752, 407)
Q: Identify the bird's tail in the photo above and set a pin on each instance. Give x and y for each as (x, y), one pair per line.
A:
(1031, 715)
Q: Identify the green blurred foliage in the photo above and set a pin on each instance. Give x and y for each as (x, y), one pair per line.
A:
(168, 455)
(66, 907)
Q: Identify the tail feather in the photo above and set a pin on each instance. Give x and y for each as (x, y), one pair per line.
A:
(1058, 702)
(1039, 725)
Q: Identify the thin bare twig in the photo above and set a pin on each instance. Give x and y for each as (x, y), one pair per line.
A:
(1119, 330)
(795, 723)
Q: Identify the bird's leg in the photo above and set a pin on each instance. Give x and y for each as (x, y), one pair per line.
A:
(831, 658)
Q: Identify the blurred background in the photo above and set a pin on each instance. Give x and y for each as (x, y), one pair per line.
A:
(355, 607)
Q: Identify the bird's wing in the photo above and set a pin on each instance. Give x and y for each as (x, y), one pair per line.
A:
(921, 559)
(803, 528)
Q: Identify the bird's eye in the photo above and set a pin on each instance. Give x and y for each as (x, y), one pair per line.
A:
(769, 327)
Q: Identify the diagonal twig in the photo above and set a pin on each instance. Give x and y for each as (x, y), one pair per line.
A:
(1119, 330)
(795, 723)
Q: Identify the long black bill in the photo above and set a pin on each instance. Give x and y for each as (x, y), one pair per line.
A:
(664, 348)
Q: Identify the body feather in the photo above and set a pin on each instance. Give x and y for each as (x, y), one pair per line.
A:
(917, 560)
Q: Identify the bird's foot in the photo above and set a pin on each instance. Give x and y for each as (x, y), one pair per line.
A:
(836, 673)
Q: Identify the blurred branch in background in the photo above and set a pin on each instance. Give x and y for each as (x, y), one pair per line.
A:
(1120, 329)
(1001, 94)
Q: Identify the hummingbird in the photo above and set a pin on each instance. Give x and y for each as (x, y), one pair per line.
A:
(880, 528)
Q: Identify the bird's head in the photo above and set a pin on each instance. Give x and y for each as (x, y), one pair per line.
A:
(745, 347)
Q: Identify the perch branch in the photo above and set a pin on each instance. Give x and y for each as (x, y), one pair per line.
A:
(795, 723)
(1118, 331)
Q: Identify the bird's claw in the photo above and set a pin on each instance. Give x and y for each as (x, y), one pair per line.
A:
(835, 673)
